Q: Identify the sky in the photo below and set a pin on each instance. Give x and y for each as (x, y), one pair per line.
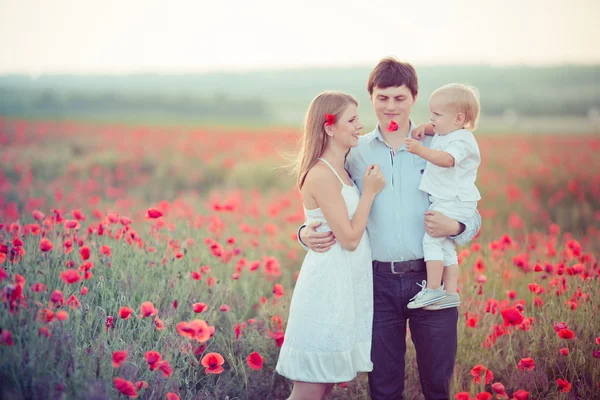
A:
(175, 36)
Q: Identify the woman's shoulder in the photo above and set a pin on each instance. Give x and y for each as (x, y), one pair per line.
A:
(318, 172)
(319, 176)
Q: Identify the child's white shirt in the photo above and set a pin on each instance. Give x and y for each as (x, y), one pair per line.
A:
(459, 180)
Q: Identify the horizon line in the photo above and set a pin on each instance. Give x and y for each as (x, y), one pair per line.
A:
(234, 70)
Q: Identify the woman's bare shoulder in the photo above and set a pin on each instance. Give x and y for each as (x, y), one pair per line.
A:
(319, 176)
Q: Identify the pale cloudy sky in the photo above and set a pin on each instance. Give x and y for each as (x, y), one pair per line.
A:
(121, 36)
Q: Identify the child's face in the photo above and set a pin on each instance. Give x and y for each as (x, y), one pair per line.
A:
(443, 116)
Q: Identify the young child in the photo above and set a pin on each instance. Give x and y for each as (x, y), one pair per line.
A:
(449, 179)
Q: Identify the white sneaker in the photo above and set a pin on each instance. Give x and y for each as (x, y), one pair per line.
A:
(451, 300)
(426, 296)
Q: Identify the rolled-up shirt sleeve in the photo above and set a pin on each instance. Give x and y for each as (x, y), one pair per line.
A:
(300, 240)
(472, 226)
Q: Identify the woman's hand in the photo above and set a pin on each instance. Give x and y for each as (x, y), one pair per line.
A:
(374, 181)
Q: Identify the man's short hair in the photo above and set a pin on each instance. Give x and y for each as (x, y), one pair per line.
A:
(390, 72)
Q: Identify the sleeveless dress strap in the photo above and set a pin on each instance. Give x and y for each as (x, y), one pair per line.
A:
(336, 174)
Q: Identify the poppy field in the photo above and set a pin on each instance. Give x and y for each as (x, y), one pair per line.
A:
(159, 263)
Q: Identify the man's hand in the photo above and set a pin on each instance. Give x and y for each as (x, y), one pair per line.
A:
(316, 241)
(439, 225)
(413, 146)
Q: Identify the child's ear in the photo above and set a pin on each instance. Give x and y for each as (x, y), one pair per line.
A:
(460, 119)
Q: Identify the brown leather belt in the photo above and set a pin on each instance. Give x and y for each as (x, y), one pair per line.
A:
(399, 267)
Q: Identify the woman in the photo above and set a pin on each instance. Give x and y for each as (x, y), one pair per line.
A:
(328, 336)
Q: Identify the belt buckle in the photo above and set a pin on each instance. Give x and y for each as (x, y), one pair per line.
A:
(393, 268)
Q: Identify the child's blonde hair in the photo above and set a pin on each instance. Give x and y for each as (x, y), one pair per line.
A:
(465, 99)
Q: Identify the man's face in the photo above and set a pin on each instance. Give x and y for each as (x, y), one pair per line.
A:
(392, 103)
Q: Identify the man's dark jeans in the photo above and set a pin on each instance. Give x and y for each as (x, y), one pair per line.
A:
(433, 333)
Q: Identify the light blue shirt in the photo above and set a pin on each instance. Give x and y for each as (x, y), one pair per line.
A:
(396, 223)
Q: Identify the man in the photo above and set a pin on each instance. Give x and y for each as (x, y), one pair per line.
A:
(397, 223)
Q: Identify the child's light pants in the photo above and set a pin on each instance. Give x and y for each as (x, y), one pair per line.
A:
(439, 249)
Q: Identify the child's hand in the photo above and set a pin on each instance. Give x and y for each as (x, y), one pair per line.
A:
(413, 146)
(419, 132)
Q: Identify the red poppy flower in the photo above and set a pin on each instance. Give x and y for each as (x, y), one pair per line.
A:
(62, 315)
(44, 331)
(225, 308)
(329, 119)
(147, 309)
(512, 316)
(199, 307)
(70, 276)
(196, 329)
(278, 290)
(118, 357)
(498, 388)
(521, 394)
(213, 363)
(73, 302)
(172, 396)
(255, 361)
(526, 364)
(392, 127)
(153, 358)
(125, 387)
(37, 287)
(125, 312)
(566, 334)
(476, 372)
(45, 245)
(564, 385)
(83, 291)
(463, 396)
(560, 325)
(160, 325)
(484, 396)
(85, 253)
(105, 250)
(37, 215)
(165, 368)
(564, 351)
(153, 213)
(6, 337)
(141, 385)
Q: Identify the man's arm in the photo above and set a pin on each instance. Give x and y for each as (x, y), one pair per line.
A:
(472, 227)
(310, 239)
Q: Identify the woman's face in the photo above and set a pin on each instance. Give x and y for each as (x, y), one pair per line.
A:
(346, 129)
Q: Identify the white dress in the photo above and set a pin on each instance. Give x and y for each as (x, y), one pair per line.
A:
(328, 334)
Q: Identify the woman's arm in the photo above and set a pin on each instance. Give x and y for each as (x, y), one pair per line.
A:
(324, 187)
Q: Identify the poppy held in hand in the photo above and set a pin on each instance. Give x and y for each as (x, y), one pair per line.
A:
(392, 127)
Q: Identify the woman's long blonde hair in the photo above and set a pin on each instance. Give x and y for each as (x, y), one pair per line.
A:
(314, 138)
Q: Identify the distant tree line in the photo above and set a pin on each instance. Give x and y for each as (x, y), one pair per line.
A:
(49, 102)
